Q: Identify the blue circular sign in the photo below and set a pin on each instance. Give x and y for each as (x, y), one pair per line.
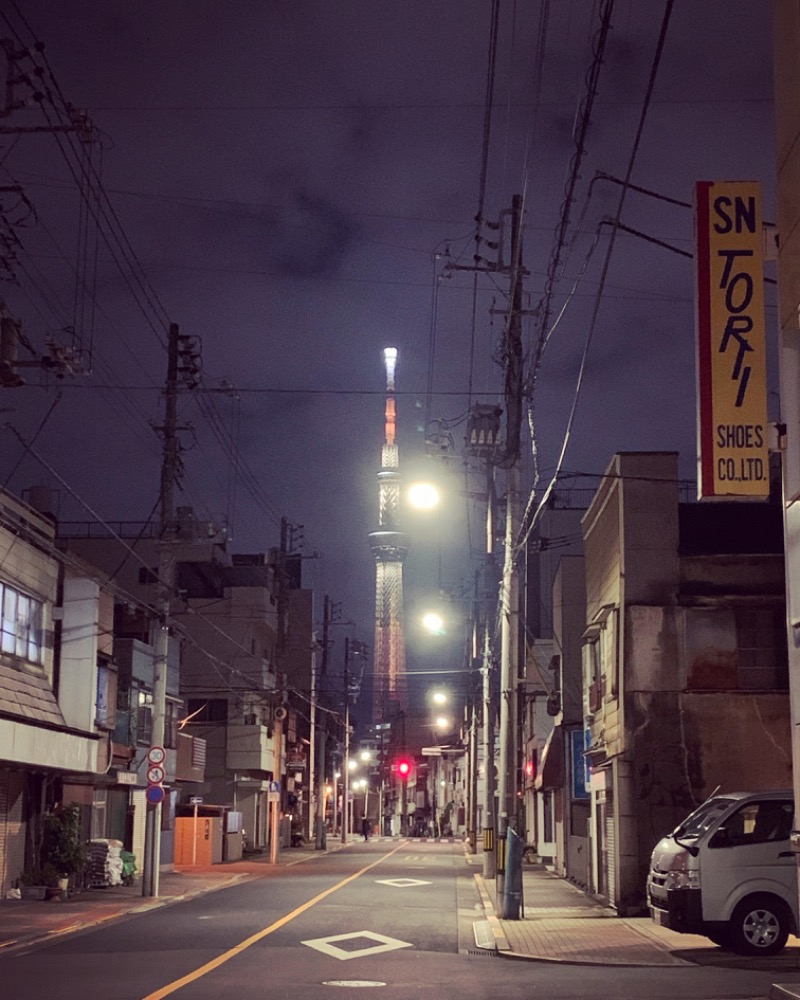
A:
(154, 794)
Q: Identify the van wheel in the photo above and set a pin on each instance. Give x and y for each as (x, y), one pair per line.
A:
(759, 926)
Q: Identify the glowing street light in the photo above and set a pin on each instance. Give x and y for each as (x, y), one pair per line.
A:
(423, 496)
(433, 622)
(439, 698)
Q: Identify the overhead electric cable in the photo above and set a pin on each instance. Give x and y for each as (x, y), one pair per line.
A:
(526, 529)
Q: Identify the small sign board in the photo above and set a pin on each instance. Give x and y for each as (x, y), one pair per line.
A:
(156, 755)
(195, 800)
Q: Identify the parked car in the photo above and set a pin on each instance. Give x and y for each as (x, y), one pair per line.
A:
(729, 872)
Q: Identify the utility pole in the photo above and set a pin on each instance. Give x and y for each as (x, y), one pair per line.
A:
(509, 602)
(183, 369)
(320, 834)
(346, 760)
(169, 472)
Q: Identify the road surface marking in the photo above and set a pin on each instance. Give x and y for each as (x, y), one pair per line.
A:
(383, 943)
(401, 883)
(353, 982)
(215, 963)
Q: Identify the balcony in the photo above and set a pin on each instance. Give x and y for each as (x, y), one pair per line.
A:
(250, 748)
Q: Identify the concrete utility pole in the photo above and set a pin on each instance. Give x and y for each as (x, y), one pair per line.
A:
(346, 759)
(320, 833)
(483, 434)
(489, 864)
(509, 603)
(169, 472)
(786, 32)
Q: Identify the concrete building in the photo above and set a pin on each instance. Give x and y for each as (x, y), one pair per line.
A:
(549, 619)
(56, 683)
(685, 661)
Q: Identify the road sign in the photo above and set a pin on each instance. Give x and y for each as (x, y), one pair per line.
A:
(155, 774)
(154, 794)
(195, 800)
(156, 755)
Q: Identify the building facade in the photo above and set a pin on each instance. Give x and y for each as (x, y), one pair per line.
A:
(55, 684)
(685, 674)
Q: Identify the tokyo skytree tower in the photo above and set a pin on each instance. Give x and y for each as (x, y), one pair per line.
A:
(389, 545)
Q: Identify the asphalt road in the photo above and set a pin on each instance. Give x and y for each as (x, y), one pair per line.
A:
(391, 920)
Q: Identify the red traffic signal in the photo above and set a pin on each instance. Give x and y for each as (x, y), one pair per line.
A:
(404, 768)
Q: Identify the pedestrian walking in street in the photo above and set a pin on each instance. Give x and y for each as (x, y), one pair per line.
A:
(366, 828)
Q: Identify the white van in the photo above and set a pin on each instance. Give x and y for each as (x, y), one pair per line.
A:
(729, 872)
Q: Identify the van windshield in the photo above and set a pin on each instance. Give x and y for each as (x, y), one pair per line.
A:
(703, 818)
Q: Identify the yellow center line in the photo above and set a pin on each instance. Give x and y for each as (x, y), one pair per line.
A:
(215, 963)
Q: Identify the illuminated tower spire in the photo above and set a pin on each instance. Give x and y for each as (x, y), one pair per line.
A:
(389, 546)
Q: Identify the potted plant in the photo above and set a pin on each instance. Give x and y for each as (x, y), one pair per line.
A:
(35, 881)
(63, 851)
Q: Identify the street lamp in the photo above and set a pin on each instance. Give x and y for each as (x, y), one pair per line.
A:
(433, 622)
(423, 496)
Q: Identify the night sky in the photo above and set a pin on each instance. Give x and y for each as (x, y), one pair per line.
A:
(291, 182)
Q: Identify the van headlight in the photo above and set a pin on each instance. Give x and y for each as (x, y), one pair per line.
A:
(682, 880)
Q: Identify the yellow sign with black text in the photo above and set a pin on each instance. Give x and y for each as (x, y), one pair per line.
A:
(733, 456)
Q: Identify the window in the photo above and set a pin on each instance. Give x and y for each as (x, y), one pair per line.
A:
(593, 685)
(207, 709)
(174, 714)
(21, 625)
(761, 641)
(97, 822)
(106, 699)
(760, 822)
(144, 717)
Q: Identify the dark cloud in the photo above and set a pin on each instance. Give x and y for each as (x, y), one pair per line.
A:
(283, 173)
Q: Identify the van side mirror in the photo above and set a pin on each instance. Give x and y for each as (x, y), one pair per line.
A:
(721, 838)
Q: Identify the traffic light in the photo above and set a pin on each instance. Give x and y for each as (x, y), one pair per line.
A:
(404, 769)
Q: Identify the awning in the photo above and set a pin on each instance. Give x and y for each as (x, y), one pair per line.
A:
(551, 768)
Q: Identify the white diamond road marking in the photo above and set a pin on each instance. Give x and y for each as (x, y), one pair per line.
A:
(401, 883)
(328, 947)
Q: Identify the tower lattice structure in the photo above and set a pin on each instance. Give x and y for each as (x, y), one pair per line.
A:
(389, 546)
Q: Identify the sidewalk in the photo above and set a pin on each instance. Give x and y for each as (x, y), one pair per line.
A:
(561, 923)
(27, 921)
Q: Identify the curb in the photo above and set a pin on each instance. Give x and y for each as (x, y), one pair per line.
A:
(500, 940)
